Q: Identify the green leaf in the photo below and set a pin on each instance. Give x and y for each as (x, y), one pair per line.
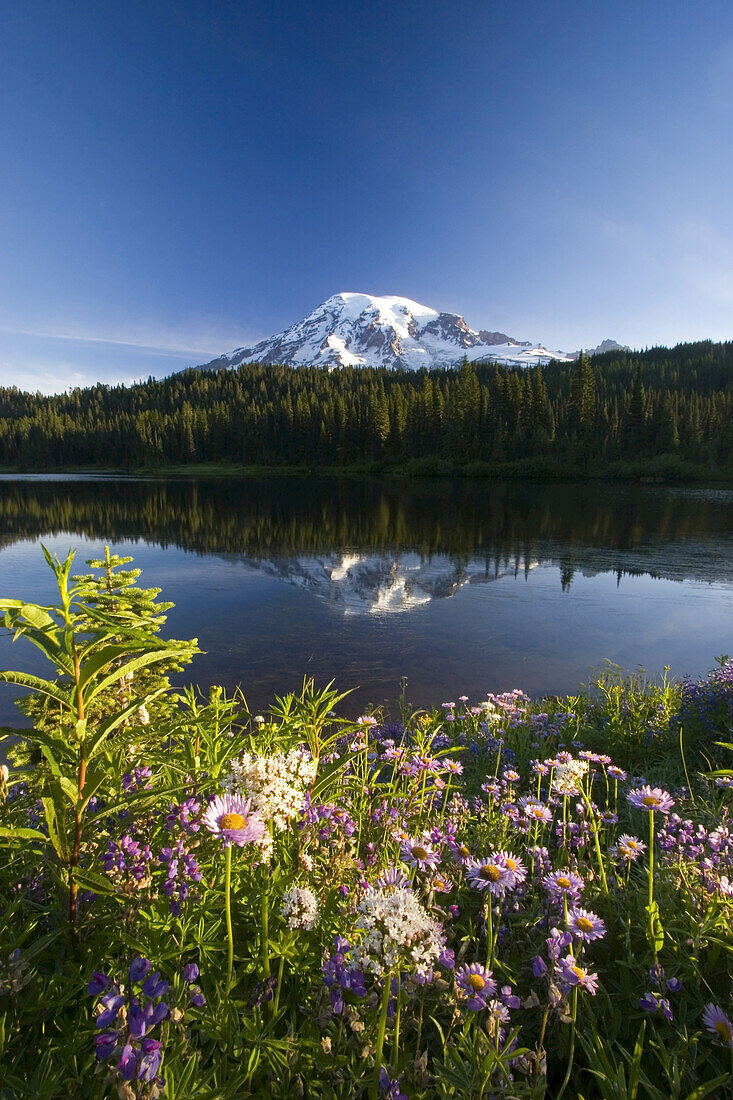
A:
(100, 660)
(655, 932)
(93, 880)
(35, 683)
(70, 789)
(37, 616)
(635, 1067)
(110, 725)
(708, 1087)
(167, 652)
(55, 832)
(8, 832)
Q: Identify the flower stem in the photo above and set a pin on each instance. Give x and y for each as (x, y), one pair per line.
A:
(396, 1036)
(490, 932)
(651, 857)
(571, 1055)
(228, 912)
(265, 932)
(380, 1037)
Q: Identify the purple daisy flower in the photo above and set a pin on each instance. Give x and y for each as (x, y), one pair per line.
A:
(461, 852)
(418, 853)
(565, 883)
(585, 926)
(650, 798)
(629, 848)
(514, 866)
(571, 974)
(233, 819)
(490, 874)
(394, 877)
(476, 981)
(536, 810)
(717, 1022)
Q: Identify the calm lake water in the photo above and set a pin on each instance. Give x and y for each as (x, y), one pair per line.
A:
(461, 587)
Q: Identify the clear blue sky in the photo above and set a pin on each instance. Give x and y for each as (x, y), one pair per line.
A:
(179, 177)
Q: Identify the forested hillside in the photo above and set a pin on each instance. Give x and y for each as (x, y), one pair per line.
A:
(587, 415)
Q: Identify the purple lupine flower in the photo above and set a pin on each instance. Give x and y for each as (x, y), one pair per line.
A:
(139, 969)
(155, 986)
(98, 984)
(190, 972)
(112, 1003)
(655, 1002)
(539, 966)
(150, 1059)
(128, 1062)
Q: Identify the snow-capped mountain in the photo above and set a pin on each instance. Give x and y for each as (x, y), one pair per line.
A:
(362, 330)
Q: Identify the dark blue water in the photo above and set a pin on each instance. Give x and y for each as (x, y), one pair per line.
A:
(461, 587)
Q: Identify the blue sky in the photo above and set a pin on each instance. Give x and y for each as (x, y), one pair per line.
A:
(179, 178)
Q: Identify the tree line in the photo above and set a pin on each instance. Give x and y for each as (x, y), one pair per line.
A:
(588, 414)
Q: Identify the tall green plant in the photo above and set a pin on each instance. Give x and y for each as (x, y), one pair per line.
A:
(97, 638)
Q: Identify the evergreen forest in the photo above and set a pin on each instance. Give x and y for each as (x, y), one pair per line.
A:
(664, 411)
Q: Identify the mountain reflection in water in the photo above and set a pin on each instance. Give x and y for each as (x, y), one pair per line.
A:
(366, 581)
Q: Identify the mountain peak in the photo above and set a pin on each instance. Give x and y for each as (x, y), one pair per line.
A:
(368, 330)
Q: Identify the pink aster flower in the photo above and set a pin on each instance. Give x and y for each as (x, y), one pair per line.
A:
(418, 853)
(476, 981)
(536, 810)
(717, 1022)
(650, 798)
(585, 925)
(515, 867)
(571, 974)
(233, 819)
(561, 883)
(393, 877)
(490, 874)
(629, 848)
(460, 852)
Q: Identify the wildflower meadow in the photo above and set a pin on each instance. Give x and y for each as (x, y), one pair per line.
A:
(498, 898)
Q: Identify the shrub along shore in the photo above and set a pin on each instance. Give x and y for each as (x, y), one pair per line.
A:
(503, 897)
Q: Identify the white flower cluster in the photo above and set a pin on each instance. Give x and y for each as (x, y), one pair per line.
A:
(276, 784)
(394, 932)
(568, 775)
(300, 908)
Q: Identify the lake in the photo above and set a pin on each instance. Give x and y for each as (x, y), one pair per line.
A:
(461, 587)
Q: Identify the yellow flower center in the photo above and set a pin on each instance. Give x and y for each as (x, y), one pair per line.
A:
(584, 924)
(578, 972)
(650, 800)
(723, 1030)
(511, 864)
(464, 851)
(419, 853)
(564, 883)
(491, 872)
(232, 821)
(476, 982)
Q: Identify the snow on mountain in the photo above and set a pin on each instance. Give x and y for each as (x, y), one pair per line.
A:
(363, 330)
